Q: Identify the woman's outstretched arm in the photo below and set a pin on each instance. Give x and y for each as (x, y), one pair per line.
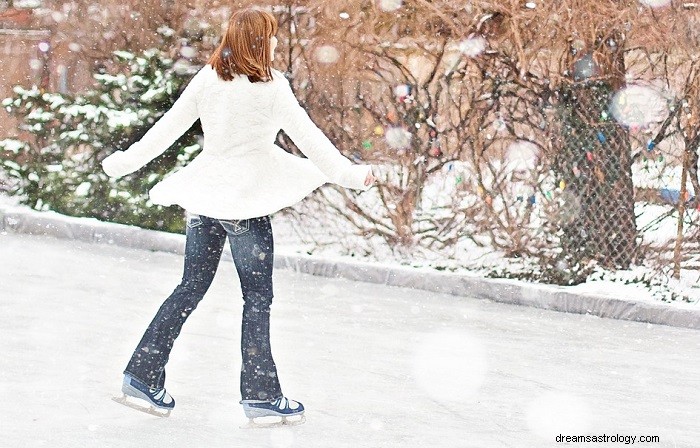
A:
(296, 123)
(161, 135)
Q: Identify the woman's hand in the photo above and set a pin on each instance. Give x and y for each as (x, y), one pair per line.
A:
(369, 180)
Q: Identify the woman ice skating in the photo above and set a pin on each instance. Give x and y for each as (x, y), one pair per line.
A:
(229, 190)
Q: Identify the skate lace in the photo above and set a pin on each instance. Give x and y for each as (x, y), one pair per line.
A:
(160, 395)
(283, 403)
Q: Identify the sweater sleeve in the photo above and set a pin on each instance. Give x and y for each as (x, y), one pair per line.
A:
(161, 135)
(297, 124)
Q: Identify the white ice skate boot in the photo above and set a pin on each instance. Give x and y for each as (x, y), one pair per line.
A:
(282, 407)
(158, 401)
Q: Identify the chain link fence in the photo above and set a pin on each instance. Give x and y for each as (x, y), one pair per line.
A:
(594, 166)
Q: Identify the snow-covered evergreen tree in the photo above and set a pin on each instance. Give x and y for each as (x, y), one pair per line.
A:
(57, 166)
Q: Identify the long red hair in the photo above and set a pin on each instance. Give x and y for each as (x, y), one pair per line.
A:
(245, 47)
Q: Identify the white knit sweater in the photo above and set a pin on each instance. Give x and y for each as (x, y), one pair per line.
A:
(240, 173)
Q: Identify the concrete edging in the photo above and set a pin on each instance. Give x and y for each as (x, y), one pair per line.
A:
(498, 290)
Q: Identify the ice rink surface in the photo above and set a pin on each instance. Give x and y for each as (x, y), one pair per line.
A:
(375, 366)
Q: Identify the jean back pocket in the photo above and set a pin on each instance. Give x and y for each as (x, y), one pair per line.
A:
(235, 226)
(194, 220)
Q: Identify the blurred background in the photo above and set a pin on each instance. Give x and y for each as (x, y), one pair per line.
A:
(551, 141)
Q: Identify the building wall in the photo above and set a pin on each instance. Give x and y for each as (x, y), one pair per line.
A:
(21, 63)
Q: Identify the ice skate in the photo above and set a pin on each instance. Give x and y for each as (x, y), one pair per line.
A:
(139, 396)
(282, 408)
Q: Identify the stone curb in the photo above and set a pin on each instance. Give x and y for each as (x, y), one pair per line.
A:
(548, 297)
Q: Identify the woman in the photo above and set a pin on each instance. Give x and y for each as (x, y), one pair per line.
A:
(229, 190)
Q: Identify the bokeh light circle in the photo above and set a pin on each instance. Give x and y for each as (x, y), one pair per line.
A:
(390, 5)
(656, 3)
(638, 106)
(521, 156)
(398, 138)
(450, 365)
(555, 413)
(473, 46)
(327, 54)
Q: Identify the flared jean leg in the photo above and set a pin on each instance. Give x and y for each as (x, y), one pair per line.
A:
(252, 249)
(205, 240)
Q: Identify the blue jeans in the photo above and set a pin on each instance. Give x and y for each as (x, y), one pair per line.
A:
(252, 249)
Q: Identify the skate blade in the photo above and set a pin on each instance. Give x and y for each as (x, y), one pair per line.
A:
(147, 409)
(284, 422)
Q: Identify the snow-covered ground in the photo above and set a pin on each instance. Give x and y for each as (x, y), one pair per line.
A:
(323, 235)
(376, 366)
